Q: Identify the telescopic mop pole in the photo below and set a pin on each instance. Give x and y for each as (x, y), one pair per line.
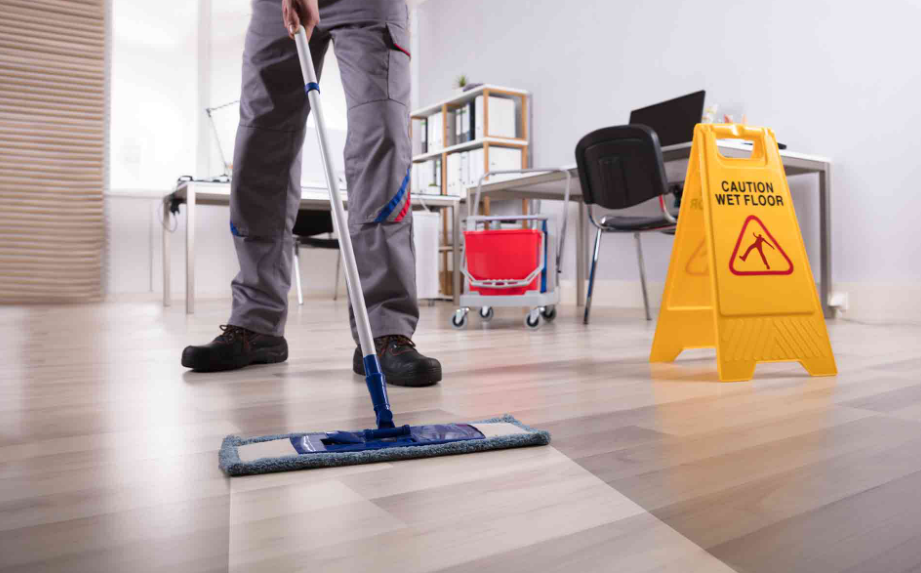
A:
(374, 377)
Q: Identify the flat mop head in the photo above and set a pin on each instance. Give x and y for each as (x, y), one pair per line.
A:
(280, 453)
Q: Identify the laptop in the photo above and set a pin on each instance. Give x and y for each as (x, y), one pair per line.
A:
(672, 120)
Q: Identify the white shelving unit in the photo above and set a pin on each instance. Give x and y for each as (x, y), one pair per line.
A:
(445, 107)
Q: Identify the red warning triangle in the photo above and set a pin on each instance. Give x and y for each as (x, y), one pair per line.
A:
(757, 247)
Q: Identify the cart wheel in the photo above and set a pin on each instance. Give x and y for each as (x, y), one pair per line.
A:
(549, 313)
(532, 322)
(459, 319)
(486, 313)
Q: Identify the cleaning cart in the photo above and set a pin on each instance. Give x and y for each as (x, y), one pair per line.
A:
(512, 266)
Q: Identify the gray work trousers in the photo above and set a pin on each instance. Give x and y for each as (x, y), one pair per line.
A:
(370, 40)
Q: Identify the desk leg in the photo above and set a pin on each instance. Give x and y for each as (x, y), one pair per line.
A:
(580, 254)
(190, 250)
(825, 287)
(455, 233)
(166, 253)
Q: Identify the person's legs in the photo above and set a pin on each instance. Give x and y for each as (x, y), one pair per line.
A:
(265, 194)
(377, 161)
(266, 185)
(374, 65)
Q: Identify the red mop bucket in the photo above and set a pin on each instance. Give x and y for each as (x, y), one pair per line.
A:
(503, 254)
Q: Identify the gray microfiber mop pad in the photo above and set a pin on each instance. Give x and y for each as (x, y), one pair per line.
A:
(232, 465)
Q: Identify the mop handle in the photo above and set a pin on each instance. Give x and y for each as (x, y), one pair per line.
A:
(374, 377)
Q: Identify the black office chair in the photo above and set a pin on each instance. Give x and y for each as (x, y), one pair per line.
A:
(620, 167)
(307, 226)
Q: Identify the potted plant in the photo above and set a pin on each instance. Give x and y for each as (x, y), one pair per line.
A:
(459, 84)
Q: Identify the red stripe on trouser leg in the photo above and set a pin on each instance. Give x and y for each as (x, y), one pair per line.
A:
(409, 200)
(402, 49)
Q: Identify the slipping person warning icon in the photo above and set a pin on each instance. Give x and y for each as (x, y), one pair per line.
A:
(759, 243)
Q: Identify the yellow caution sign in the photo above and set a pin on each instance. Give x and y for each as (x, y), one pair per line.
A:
(739, 278)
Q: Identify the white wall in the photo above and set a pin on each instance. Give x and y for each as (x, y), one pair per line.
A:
(831, 78)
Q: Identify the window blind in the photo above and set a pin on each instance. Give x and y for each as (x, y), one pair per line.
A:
(53, 125)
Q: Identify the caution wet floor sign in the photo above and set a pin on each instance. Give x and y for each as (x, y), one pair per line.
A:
(739, 279)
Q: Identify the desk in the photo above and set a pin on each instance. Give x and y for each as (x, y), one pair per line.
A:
(194, 193)
(551, 185)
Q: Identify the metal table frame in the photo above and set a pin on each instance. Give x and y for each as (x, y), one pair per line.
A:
(549, 186)
(194, 193)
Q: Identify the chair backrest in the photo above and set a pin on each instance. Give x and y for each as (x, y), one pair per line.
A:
(312, 223)
(621, 166)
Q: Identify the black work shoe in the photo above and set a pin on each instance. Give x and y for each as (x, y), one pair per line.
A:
(235, 348)
(401, 362)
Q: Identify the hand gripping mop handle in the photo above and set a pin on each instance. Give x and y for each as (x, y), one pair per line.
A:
(374, 377)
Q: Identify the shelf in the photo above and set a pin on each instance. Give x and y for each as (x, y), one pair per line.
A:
(472, 145)
(466, 97)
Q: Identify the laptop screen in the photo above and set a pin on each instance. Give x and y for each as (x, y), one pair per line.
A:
(672, 120)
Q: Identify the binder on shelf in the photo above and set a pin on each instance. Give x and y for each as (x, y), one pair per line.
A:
(478, 115)
(459, 133)
(435, 186)
(419, 180)
(475, 165)
(435, 132)
(448, 133)
(453, 174)
(503, 158)
(440, 131)
(464, 172)
(424, 135)
(464, 128)
(451, 134)
(501, 117)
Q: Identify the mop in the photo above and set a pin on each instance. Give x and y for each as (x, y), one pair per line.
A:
(388, 442)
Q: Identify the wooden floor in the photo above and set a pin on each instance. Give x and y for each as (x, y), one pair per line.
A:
(108, 452)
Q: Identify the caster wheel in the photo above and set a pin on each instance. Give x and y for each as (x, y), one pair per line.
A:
(459, 320)
(486, 313)
(532, 323)
(549, 313)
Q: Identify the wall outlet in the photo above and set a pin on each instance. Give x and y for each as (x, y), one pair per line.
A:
(838, 300)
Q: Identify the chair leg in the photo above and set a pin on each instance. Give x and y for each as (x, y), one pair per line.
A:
(639, 258)
(297, 274)
(338, 269)
(591, 277)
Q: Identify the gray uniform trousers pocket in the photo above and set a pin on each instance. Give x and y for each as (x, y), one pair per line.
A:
(265, 190)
